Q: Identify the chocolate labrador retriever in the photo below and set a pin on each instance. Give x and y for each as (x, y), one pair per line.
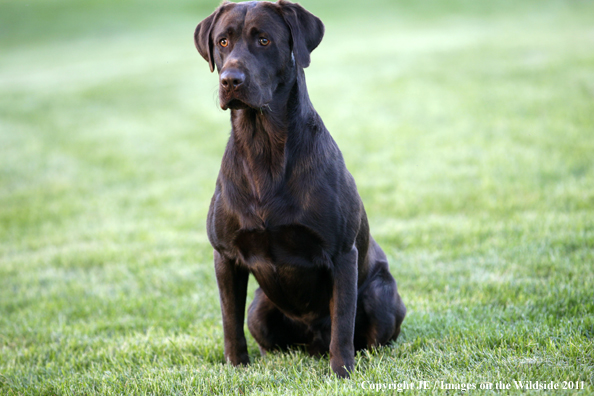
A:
(285, 208)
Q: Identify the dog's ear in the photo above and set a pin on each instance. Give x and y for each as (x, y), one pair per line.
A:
(203, 39)
(307, 30)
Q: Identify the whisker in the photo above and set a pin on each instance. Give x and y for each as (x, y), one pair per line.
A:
(265, 106)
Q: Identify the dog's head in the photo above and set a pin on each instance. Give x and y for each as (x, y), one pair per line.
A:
(256, 48)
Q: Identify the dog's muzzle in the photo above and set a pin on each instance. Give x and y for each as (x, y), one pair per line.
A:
(232, 83)
(232, 79)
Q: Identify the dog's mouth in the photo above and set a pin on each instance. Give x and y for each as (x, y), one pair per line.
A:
(239, 100)
(234, 100)
(234, 104)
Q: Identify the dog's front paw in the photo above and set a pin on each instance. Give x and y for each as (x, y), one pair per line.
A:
(342, 368)
(242, 359)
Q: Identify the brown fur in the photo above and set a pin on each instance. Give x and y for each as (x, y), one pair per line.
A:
(285, 207)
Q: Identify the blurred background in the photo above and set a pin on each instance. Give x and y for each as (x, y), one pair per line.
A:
(109, 115)
(468, 125)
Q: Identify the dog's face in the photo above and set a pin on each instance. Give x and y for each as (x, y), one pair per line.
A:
(252, 54)
(256, 48)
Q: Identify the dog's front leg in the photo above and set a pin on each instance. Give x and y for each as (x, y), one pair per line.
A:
(232, 280)
(342, 311)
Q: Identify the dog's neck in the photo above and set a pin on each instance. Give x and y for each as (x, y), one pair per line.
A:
(260, 136)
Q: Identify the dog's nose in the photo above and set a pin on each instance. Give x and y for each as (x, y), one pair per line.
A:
(232, 78)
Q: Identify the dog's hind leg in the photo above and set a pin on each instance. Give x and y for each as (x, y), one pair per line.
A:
(271, 328)
(380, 310)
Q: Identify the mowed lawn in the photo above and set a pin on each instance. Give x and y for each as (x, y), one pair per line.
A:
(469, 127)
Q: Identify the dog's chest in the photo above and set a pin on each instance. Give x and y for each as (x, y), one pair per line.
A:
(284, 245)
(290, 264)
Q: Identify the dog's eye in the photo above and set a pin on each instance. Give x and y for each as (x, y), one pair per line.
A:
(264, 41)
(223, 42)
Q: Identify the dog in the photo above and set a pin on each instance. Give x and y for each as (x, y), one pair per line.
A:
(285, 208)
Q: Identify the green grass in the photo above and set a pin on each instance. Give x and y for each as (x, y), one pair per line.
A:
(469, 127)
